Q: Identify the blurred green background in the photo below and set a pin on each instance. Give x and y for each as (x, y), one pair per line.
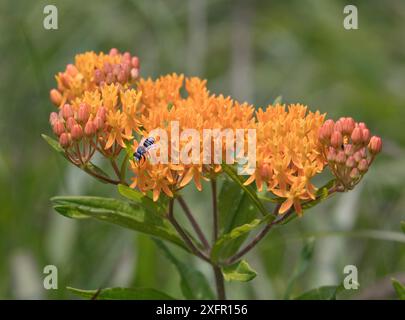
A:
(254, 50)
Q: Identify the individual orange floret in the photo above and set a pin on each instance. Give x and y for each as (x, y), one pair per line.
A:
(288, 153)
(92, 70)
(349, 149)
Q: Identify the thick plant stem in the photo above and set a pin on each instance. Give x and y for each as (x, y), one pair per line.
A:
(193, 222)
(219, 282)
(214, 209)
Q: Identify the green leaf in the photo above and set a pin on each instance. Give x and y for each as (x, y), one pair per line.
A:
(403, 226)
(141, 199)
(321, 293)
(121, 294)
(278, 100)
(53, 143)
(240, 271)
(235, 210)
(193, 284)
(399, 289)
(302, 266)
(225, 245)
(249, 190)
(123, 213)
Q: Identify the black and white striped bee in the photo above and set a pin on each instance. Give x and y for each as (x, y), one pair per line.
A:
(145, 145)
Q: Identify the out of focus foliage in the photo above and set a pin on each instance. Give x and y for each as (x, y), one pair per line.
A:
(255, 50)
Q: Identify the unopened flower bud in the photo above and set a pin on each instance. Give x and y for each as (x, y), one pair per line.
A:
(336, 139)
(126, 56)
(350, 162)
(77, 132)
(71, 70)
(90, 128)
(338, 126)
(357, 136)
(107, 68)
(83, 113)
(56, 97)
(109, 78)
(64, 140)
(362, 125)
(53, 117)
(349, 149)
(331, 155)
(340, 157)
(102, 113)
(99, 123)
(326, 130)
(363, 165)
(134, 74)
(375, 145)
(348, 125)
(357, 156)
(354, 174)
(366, 136)
(58, 127)
(114, 52)
(98, 76)
(70, 123)
(135, 62)
(122, 77)
(266, 171)
(116, 70)
(67, 111)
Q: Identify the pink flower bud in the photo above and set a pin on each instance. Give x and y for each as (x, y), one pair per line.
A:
(134, 74)
(102, 113)
(109, 78)
(64, 140)
(341, 157)
(354, 174)
(58, 128)
(326, 130)
(126, 56)
(98, 76)
(107, 68)
(349, 149)
(357, 136)
(266, 171)
(331, 156)
(357, 156)
(71, 70)
(363, 165)
(362, 125)
(77, 132)
(83, 113)
(375, 145)
(338, 126)
(56, 97)
(67, 111)
(366, 136)
(122, 77)
(336, 139)
(90, 128)
(53, 117)
(99, 123)
(114, 52)
(116, 70)
(350, 162)
(348, 125)
(363, 153)
(135, 62)
(70, 123)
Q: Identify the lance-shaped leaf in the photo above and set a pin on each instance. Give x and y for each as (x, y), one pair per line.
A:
(240, 271)
(399, 289)
(321, 293)
(193, 284)
(225, 246)
(123, 213)
(249, 190)
(53, 143)
(141, 199)
(121, 294)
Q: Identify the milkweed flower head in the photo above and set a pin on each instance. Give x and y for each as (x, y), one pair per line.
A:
(349, 149)
(288, 153)
(162, 104)
(103, 119)
(92, 70)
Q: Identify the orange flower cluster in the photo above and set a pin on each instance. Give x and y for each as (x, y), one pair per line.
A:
(92, 70)
(288, 153)
(162, 103)
(102, 105)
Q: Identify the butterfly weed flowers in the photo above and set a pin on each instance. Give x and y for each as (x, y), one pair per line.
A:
(105, 107)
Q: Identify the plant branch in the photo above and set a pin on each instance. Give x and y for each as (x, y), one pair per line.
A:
(214, 208)
(193, 222)
(184, 235)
